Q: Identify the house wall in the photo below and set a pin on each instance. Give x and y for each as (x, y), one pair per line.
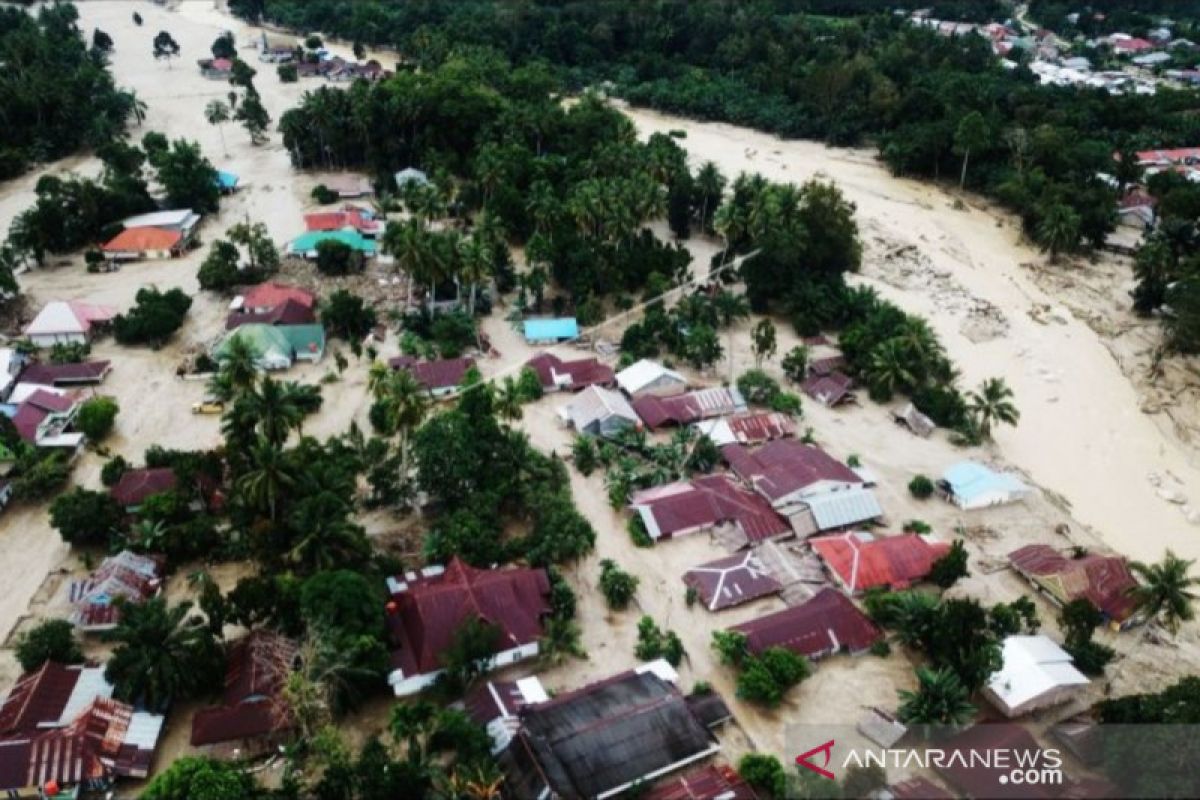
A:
(984, 500)
(664, 386)
(403, 686)
(1053, 697)
(51, 339)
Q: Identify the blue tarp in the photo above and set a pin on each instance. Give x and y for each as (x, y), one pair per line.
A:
(551, 330)
(226, 180)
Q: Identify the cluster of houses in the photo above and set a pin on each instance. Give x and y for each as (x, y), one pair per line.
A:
(354, 226)
(278, 323)
(318, 63)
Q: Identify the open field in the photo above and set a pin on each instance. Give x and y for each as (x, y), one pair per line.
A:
(1110, 475)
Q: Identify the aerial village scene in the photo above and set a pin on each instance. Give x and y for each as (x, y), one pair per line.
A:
(583, 400)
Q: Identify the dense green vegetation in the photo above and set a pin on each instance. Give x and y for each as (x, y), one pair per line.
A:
(1099, 17)
(57, 95)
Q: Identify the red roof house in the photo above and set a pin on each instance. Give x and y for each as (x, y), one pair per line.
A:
(785, 471)
(289, 312)
(1104, 580)
(684, 409)
(427, 610)
(860, 561)
(43, 417)
(705, 503)
(1132, 45)
(712, 782)
(252, 711)
(556, 374)
(826, 624)
(752, 428)
(731, 581)
(266, 296)
(137, 484)
(126, 576)
(442, 377)
(145, 241)
(830, 390)
(348, 217)
(66, 374)
(60, 727)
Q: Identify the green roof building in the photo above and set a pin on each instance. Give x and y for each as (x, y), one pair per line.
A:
(306, 243)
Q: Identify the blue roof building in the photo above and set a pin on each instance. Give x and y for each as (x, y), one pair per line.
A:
(542, 331)
(226, 181)
(969, 485)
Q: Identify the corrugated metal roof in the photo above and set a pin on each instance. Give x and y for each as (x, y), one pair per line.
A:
(640, 374)
(825, 624)
(1033, 666)
(731, 581)
(545, 330)
(970, 479)
(844, 508)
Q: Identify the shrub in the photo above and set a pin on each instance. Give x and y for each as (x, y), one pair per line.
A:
(690, 596)
(583, 451)
(219, 270)
(949, 568)
(324, 195)
(917, 526)
(653, 643)
(288, 73)
(52, 640)
(69, 352)
(617, 585)
(638, 532)
(764, 679)
(757, 387)
(881, 648)
(795, 363)
(112, 470)
(346, 315)
(786, 403)
(920, 487)
(156, 316)
(763, 772)
(83, 516)
(730, 646)
(96, 417)
(529, 387)
(338, 258)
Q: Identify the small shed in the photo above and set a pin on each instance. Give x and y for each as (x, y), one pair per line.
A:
(648, 377)
(914, 420)
(970, 485)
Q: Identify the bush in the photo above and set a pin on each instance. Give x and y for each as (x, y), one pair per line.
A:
(881, 648)
(766, 678)
(917, 526)
(653, 643)
(338, 258)
(52, 640)
(795, 364)
(617, 585)
(763, 772)
(690, 596)
(288, 73)
(201, 778)
(69, 352)
(219, 270)
(949, 568)
(83, 516)
(757, 387)
(529, 387)
(96, 417)
(324, 195)
(786, 403)
(638, 532)
(156, 316)
(920, 487)
(583, 451)
(112, 470)
(346, 315)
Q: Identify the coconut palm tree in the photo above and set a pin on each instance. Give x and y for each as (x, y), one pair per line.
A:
(277, 408)
(1166, 590)
(268, 476)
(940, 699)
(887, 369)
(161, 655)
(710, 183)
(730, 307)
(1058, 231)
(238, 371)
(992, 404)
(508, 400)
(475, 259)
(408, 243)
(543, 206)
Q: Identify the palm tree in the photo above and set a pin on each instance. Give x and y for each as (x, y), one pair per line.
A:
(508, 400)
(710, 183)
(910, 616)
(1059, 230)
(560, 639)
(992, 404)
(730, 307)
(217, 113)
(278, 408)
(1166, 590)
(887, 368)
(161, 655)
(267, 478)
(940, 699)
(475, 257)
(238, 370)
(543, 206)
(408, 243)
(404, 402)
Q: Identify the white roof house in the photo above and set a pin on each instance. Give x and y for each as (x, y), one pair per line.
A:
(600, 412)
(971, 485)
(180, 219)
(1037, 673)
(648, 377)
(67, 321)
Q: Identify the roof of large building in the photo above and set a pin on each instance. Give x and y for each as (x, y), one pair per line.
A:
(594, 404)
(174, 218)
(271, 294)
(68, 316)
(289, 312)
(144, 238)
(1104, 580)
(426, 612)
(704, 502)
(752, 428)
(975, 777)
(137, 484)
(554, 373)
(843, 508)
(491, 700)
(445, 373)
(1032, 666)
(712, 782)
(863, 561)
(309, 240)
(684, 409)
(826, 623)
(601, 737)
(640, 374)
(783, 467)
(969, 479)
(257, 669)
(544, 330)
(57, 374)
(731, 581)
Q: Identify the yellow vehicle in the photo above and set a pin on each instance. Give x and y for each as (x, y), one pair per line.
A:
(208, 407)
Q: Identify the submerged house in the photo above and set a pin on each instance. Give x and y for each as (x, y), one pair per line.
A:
(253, 715)
(61, 732)
(551, 331)
(828, 623)
(747, 429)
(569, 376)
(305, 245)
(597, 411)
(684, 409)
(158, 234)
(429, 607)
(1105, 581)
(705, 504)
(1036, 673)
(135, 486)
(68, 322)
(276, 346)
(45, 418)
(598, 741)
(648, 377)
(731, 581)
(970, 485)
(128, 577)
(859, 561)
(443, 377)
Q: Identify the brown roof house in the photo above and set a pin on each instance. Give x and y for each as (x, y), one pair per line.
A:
(127, 576)
(442, 377)
(712, 782)
(1104, 580)
(253, 716)
(428, 608)
(136, 485)
(569, 376)
(751, 428)
(859, 561)
(60, 731)
(705, 504)
(684, 409)
(731, 581)
(828, 623)
(815, 491)
(601, 740)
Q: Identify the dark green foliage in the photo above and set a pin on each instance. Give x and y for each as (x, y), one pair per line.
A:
(763, 772)
(69, 352)
(189, 179)
(96, 416)
(112, 470)
(52, 640)
(287, 73)
(250, 111)
(219, 271)
(1079, 620)
(949, 568)
(156, 316)
(617, 585)
(346, 315)
(766, 678)
(84, 517)
(324, 195)
(66, 98)
(39, 474)
(921, 487)
(202, 778)
(224, 46)
(338, 258)
(165, 47)
(1148, 748)
(342, 600)
(653, 643)
(940, 699)
(469, 655)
